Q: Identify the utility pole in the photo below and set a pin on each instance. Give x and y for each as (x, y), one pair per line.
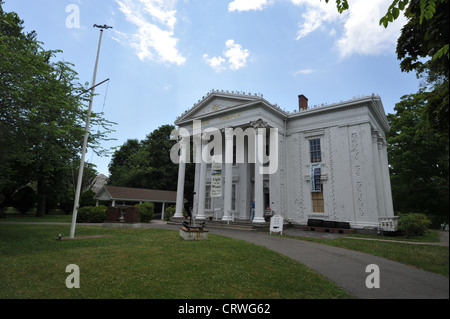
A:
(86, 136)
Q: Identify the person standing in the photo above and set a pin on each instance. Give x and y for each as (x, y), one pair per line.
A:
(252, 207)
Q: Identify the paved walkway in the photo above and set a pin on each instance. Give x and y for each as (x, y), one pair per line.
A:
(345, 267)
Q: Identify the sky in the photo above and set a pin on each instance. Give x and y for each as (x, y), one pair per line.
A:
(162, 56)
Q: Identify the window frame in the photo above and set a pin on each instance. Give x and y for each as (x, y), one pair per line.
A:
(315, 150)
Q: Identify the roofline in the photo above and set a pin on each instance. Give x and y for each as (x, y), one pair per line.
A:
(135, 199)
(377, 108)
(263, 101)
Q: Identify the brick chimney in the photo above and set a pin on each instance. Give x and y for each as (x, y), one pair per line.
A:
(302, 102)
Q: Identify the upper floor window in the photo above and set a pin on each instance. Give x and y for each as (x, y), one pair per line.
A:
(314, 149)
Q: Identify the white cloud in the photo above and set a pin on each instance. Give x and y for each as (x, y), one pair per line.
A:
(303, 72)
(247, 5)
(237, 57)
(316, 15)
(216, 63)
(155, 21)
(234, 54)
(361, 34)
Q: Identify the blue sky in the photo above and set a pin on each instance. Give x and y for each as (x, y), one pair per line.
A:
(163, 55)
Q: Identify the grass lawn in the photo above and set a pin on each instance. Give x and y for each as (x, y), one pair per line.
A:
(427, 257)
(148, 263)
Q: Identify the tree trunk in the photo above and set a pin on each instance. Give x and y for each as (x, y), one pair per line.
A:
(41, 197)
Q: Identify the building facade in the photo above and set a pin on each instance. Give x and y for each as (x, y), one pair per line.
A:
(324, 162)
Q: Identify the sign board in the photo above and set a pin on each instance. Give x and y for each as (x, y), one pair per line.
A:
(216, 184)
(276, 224)
(216, 176)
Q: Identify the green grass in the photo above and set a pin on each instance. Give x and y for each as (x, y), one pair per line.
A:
(148, 263)
(428, 257)
(430, 236)
(12, 215)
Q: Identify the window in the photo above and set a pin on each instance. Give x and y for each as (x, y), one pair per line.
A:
(315, 177)
(208, 197)
(314, 149)
(317, 201)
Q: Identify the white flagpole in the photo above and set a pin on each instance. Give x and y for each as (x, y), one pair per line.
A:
(86, 135)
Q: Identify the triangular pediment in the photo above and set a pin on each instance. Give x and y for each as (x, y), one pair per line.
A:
(216, 102)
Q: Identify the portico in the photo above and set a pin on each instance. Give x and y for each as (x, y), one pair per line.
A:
(226, 183)
(326, 162)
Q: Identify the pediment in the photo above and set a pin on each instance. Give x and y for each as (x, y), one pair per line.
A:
(216, 102)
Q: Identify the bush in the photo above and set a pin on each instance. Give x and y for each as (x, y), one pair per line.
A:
(413, 224)
(24, 199)
(146, 211)
(92, 214)
(170, 211)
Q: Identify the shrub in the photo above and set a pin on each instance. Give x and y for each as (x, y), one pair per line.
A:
(92, 214)
(413, 224)
(24, 199)
(170, 211)
(146, 211)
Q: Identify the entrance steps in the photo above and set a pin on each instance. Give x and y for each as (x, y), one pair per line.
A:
(236, 224)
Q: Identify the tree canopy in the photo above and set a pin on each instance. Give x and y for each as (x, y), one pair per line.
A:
(418, 157)
(147, 164)
(42, 113)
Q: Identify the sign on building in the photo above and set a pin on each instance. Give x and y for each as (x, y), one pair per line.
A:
(216, 176)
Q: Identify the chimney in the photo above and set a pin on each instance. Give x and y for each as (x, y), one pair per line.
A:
(302, 102)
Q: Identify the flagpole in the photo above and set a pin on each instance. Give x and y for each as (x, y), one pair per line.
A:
(85, 140)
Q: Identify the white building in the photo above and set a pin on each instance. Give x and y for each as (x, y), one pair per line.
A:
(330, 161)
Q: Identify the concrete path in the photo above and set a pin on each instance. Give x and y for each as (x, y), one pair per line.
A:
(345, 267)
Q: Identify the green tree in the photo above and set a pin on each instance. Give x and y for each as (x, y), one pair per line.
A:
(421, 48)
(418, 157)
(42, 113)
(124, 163)
(147, 164)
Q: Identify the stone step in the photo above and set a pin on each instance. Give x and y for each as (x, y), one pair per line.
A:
(237, 224)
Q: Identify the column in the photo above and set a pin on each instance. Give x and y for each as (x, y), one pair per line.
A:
(228, 173)
(384, 167)
(197, 141)
(260, 126)
(162, 210)
(378, 177)
(180, 185)
(201, 189)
